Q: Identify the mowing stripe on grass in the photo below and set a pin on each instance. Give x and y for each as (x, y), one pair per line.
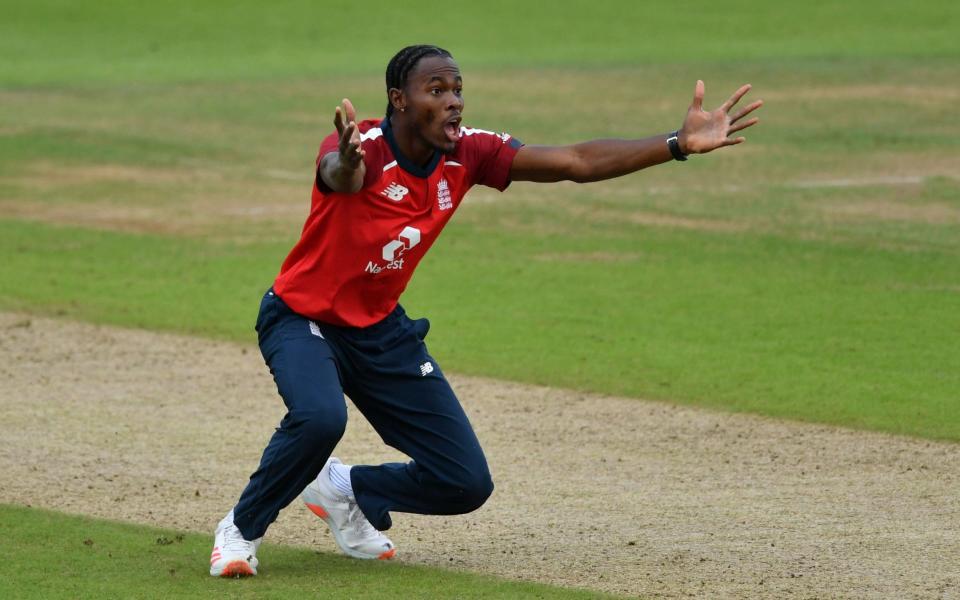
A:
(45, 43)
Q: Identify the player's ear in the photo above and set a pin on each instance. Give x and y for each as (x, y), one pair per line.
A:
(397, 99)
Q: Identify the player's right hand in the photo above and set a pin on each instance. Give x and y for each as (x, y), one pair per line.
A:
(704, 131)
(345, 119)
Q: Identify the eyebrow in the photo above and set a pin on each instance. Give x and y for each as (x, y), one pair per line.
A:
(440, 79)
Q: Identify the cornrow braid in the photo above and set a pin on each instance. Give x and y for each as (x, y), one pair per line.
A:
(403, 62)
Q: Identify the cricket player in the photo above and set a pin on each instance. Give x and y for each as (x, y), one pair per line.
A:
(331, 323)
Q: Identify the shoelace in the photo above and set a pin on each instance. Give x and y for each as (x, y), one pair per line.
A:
(233, 541)
(362, 526)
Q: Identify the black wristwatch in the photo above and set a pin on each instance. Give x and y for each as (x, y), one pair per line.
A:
(673, 143)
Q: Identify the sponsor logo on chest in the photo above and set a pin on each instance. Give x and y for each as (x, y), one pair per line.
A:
(392, 252)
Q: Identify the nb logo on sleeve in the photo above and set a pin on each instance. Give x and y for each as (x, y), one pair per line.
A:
(426, 368)
(395, 192)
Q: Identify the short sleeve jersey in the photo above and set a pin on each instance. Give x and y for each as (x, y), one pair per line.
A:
(357, 252)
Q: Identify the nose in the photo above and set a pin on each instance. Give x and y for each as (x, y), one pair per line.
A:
(455, 102)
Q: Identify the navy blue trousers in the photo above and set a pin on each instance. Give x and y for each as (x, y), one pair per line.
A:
(387, 372)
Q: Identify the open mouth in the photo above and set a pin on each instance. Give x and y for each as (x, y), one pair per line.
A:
(452, 129)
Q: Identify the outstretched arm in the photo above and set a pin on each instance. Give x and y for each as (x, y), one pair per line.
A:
(343, 170)
(596, 160)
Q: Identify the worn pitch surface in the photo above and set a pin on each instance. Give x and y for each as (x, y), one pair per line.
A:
(614, 494)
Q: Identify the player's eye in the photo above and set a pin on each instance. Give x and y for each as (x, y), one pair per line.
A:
(435, 91)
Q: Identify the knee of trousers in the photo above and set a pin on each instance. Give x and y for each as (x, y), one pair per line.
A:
(469, 491)
(320, 428)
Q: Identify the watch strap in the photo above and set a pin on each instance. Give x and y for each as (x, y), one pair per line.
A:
(673, 143)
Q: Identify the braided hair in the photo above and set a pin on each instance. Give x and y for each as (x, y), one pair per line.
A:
(403, 62)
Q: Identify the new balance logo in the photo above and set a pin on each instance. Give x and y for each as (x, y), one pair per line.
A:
(315, 329)
(426, 368)
(395, 192)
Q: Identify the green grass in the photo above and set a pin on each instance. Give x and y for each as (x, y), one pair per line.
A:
(60, 556)
(55, 42)
(837, 334)
(137, 281)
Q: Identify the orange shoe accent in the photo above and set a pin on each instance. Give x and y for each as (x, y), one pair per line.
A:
(318, 510)
(238, 568)
(388, 554)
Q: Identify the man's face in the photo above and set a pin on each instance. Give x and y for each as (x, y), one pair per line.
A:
(434, 101)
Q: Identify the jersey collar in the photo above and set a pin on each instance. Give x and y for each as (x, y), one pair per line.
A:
(405, 163)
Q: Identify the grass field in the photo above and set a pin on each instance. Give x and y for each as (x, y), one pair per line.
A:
(112, 560)
(155, 165)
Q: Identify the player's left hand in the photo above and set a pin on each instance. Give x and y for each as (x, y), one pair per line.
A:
(704, 131)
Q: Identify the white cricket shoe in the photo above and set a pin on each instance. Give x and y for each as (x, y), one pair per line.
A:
(353, 532)
(232, 555)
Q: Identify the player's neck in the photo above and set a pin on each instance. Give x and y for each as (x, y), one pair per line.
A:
(414, 149)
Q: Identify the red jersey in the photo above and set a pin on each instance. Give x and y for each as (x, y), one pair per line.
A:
(357, 252)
